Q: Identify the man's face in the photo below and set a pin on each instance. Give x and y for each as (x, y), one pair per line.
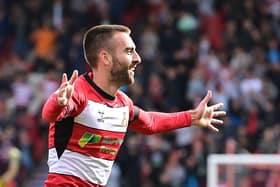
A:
(125, 59)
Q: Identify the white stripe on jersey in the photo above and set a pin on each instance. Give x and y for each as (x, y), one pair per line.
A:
(100, 116)
(94, 170)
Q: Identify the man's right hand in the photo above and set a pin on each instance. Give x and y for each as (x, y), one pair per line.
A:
(66, 88)
(206, 116)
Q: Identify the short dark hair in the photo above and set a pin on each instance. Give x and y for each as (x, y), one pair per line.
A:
(98, 37)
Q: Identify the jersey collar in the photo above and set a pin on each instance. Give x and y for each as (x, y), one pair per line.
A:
(98, 89)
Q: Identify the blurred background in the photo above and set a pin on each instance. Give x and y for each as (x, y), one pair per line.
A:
(231, 47)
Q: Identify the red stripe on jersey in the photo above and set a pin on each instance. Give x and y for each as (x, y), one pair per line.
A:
(94, 142)
(67, 180)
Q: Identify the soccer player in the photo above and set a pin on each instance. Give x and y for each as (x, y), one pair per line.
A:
(89, 115)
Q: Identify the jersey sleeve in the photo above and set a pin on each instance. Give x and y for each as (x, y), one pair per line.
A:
(52, 112)
(157, 122)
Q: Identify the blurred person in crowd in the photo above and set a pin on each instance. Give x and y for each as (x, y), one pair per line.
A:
(5, 113)
(10, 157)
(25, 146)
(273, 179)
(22, 91)
(195, 84)
(4, 29)
(196, 164)
(76, 55)
(131, 153)
(44, 85)
(273, 57)
(44, 40)
(173, 172)
(274, 176)
(240, 61)
(149, 43)
(89, 115)
(156, 89)
(234, 175)
(268, 143)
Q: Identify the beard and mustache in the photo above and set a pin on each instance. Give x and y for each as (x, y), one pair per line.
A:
(121, 73)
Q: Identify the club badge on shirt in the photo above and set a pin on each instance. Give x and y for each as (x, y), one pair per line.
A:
(124, 120)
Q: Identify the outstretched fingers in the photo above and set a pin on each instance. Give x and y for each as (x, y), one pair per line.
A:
(217, 106)
(211, 127)
(219, 114)
(74, 77)
(66, 88)
(64, 78)
(217, 121)
(214, 115)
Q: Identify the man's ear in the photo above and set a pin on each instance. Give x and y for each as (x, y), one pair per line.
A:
(106, 57)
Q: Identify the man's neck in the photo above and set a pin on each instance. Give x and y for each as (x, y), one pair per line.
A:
(101, 80)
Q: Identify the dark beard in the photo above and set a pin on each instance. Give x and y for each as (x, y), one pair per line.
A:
(120, 74)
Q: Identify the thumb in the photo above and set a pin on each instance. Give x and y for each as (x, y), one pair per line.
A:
(207, 98)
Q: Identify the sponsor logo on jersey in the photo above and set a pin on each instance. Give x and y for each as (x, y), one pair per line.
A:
(90, 138)
(112, 141)
(108, 150)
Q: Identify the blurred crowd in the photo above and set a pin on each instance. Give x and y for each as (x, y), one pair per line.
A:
(231, 47)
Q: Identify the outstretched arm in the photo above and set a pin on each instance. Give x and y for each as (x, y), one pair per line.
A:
(156, 122)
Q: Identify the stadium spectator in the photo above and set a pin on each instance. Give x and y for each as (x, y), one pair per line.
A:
(10, 157)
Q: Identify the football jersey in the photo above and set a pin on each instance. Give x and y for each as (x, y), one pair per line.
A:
(86, 138)
(86, 134)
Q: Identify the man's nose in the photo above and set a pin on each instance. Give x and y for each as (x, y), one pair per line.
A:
(136, 58)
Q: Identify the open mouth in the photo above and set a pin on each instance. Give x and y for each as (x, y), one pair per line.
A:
(132, 68)
(131, 71)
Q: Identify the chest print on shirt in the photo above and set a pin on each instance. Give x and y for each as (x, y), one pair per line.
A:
(101, 116)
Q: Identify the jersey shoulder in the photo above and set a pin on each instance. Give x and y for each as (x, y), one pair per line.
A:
(124, 97)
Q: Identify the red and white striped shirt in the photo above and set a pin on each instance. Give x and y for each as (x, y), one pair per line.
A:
(85, 136)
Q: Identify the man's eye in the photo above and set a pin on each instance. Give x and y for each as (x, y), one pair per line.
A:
(129, 52)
